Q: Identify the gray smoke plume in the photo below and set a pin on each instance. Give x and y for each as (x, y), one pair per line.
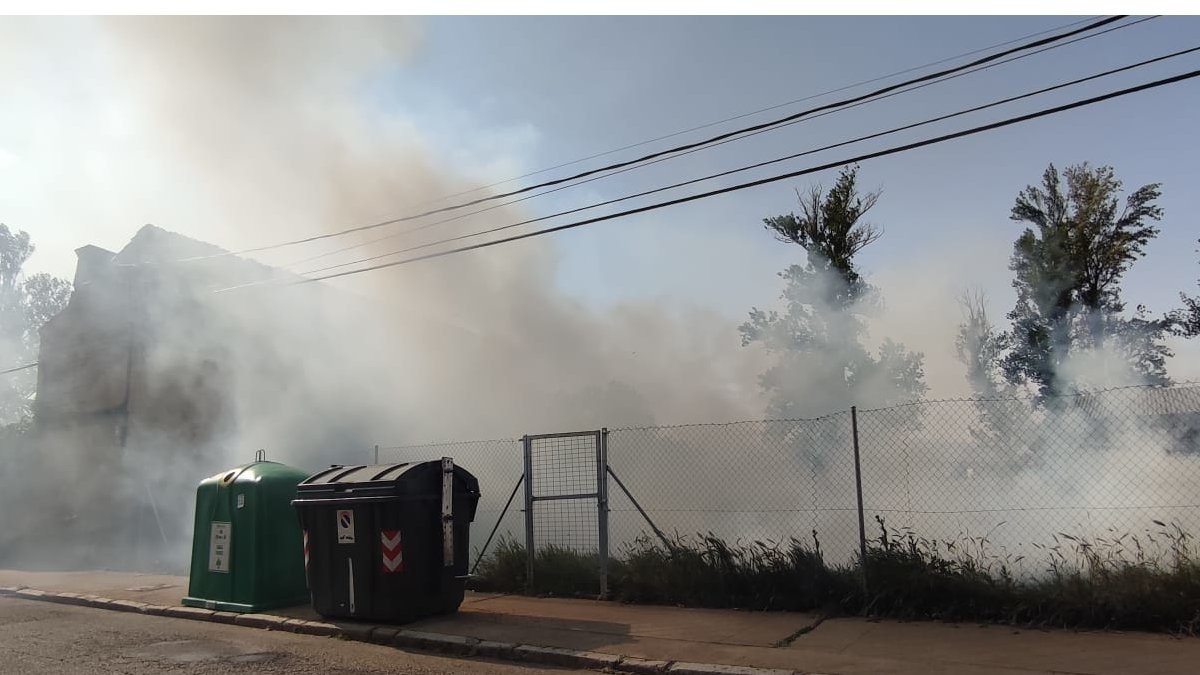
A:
(243, 132)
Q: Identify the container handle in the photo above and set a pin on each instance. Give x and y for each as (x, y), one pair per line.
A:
(260, 455)
(447, 512)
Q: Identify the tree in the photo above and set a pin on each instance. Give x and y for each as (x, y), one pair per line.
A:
(822, 364)
(15, 249)
(25, 305)
(1003, 421)
(1187, 320)
(979, 346)
(1068, 264)
(45, 295)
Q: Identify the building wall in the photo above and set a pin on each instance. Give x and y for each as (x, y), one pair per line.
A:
(131, 398)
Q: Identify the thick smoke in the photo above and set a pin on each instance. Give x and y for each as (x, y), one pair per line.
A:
(273, 122)
(242, 132)
(247, 131)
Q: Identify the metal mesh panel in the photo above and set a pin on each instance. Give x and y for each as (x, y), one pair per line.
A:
(563, 465)
(567, 523)
(565, 518)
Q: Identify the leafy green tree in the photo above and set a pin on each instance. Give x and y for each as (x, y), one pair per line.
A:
(1078, 243)
(822, 364)
(26, 303)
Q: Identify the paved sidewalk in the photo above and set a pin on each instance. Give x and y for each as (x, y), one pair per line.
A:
(788, 641)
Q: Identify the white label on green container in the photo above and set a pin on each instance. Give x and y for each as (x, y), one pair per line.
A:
(218, 547)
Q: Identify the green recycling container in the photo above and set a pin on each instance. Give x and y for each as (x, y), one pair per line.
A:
(247, 547)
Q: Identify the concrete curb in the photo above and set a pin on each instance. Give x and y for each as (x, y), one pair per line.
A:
(568, 658)
(632, 664)
(681, 668)
(268, 621)
(403, 638)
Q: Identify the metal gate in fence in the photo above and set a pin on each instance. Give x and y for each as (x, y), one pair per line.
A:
(566, 498)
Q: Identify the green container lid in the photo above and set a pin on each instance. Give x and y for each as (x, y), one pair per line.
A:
(247, 547)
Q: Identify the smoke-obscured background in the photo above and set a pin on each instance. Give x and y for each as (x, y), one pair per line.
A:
(245, 132)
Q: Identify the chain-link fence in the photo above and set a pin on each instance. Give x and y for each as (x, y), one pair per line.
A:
(1009, 474)
(741, 482)
(1097, 466)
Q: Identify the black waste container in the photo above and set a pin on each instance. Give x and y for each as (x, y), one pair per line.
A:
(387, 542)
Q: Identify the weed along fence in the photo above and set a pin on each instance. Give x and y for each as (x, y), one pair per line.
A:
(1013, 486)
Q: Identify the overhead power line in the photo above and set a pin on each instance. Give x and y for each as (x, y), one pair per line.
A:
(777, 160)
(764, 181)
(709, 125)
(585, 181)
(19, 368)
(680, 148)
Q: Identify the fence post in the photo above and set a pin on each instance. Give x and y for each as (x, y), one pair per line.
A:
(602, 509)
(529, 545)
(862, 525)
(376, 453)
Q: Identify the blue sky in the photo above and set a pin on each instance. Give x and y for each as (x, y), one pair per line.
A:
(536, 92)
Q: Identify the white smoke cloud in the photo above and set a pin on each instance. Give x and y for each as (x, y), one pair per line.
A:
(248, 131)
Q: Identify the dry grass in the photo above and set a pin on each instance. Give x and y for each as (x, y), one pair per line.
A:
(1147, 581)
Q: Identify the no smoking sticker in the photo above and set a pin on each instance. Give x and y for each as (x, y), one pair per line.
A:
(345, 526)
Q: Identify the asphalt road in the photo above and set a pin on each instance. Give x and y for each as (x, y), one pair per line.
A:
(40, 637)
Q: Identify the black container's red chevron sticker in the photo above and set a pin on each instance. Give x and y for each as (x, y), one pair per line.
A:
(393, 555)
